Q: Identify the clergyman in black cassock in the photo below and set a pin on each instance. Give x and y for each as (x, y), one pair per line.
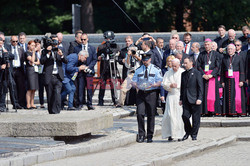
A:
(208, 63)
(232, 78)
(191, 98)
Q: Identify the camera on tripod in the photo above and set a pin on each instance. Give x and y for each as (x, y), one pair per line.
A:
(48, 41)
(5, 56)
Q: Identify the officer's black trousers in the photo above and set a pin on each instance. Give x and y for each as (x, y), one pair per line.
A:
(146, 104)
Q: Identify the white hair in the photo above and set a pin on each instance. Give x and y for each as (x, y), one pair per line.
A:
(180, 42)
(176, 60)
(83, 52)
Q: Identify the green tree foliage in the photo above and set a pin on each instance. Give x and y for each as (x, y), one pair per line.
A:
(164, 15)
(34, 16)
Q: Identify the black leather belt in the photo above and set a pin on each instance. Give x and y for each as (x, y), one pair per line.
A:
(147, 91)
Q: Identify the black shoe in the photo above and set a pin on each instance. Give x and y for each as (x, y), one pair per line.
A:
(3, 109)
(118, 106)
(71, 108)
(42, 106)
(170, 138)
(91, 107)
(149, 140)
(100, 104)
(17, 106)
(34, 107)
(185, 137)
(140, 139)
(194, 137)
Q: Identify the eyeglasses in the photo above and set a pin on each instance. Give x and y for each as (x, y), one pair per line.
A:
(14, 41)
(237, 45)
(83, 39)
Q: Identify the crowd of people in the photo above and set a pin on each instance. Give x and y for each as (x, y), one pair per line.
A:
(181, 77)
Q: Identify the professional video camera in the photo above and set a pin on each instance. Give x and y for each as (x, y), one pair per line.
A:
(48, 41)
(110, 48)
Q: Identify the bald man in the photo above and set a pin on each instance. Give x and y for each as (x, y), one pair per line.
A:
(63, 45)
(230, 40)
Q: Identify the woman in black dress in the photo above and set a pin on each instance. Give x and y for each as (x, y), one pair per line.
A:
(32, 63)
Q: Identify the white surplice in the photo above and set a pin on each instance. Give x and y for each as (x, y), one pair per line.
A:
(172, 123)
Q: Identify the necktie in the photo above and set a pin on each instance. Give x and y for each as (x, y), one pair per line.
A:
(15, 53)
(185, 48)
(84, 47)
(146, 73)
(161, 53)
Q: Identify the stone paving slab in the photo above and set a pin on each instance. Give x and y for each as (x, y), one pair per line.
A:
(68, 124)
(18, 147)
(41, 143)
(5, 153)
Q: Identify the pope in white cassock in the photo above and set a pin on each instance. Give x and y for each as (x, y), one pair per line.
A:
(172, 123)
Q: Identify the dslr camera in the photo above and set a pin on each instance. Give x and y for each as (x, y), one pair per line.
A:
(48, 41)
(134, 51)
(89, 71)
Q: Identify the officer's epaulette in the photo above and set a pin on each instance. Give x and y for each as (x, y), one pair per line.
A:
(139, 67)
(157, 67)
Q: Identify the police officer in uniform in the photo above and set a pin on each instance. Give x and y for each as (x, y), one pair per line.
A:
(147, 79)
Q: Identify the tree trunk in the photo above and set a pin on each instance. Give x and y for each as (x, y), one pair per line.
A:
(179, 15)
(87, 19)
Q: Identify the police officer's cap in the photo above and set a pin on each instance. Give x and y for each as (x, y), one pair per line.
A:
(146, 56)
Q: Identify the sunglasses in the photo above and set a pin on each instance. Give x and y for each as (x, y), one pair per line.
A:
(83, 39)
(14, 41)
(238, 45)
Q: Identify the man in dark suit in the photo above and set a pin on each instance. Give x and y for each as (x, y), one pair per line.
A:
(245, 32)
(187, 37)
(85, 78)
(6, 77)
(18, 69)
(231, 39)
(158, 50)
(191, 98)
(146, 45)
(63, 45)
(121, 59)
(22, 39)
(53, 74)
(170, 51)
(75, 43)
(220, 39)
(196, 52)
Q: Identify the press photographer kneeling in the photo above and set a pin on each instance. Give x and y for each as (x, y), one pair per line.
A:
(52, 59)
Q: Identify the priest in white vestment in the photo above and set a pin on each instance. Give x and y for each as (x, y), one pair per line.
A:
(172, 123)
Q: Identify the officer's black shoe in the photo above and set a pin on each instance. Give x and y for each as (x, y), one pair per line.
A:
(140, 139)
(71, 108)
(91, 107)
(194, 138)
(185, 137)
(149, 140)
(17, 106)
(170, 138)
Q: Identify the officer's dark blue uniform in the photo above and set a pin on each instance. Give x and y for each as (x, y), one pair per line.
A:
(147, 79)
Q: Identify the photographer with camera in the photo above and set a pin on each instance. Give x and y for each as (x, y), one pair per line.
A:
(72, 69)
(145, 37)
(6, 78)
(52, 59)
(132, 62)
(107, 54)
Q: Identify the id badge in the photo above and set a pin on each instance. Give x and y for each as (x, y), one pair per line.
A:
(15, 63)
(206, 67)
(36, 68)
(230, 72)
(40, 69)
(74, 76)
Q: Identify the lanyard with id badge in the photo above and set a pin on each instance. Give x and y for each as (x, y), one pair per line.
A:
(208, 63)
(230, 70)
